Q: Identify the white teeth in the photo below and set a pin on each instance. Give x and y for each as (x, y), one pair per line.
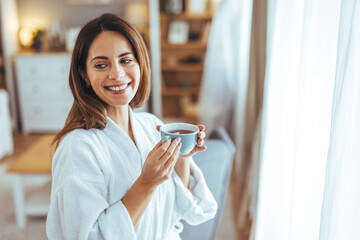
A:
(118, 88)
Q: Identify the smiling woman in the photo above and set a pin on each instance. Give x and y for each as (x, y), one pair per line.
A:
(93, 110)
(112, 177)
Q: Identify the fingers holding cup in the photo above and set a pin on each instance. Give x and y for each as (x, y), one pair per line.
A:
(201, 135)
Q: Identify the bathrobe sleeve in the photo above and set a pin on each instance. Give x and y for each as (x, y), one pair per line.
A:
(196, 204)
(79, 208)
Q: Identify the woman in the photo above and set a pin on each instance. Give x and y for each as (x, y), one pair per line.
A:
(112, 177)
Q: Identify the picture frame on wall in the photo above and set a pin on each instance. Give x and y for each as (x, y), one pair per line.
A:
(178, 32)
(88, 2)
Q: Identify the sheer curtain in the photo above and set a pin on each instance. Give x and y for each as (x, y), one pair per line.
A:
(311, 99)
(308, 163)
(226, 72)
(225, 84)
(299, 80)
(224, 91)
(341, 212)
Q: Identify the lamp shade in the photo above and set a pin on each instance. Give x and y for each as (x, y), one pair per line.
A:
(26, 36)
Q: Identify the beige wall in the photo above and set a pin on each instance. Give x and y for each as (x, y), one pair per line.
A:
(42, 13)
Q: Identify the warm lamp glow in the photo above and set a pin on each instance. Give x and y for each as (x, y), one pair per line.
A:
(26, 36)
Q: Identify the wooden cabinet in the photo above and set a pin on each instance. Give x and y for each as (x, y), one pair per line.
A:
(182, 63)
(43, 91)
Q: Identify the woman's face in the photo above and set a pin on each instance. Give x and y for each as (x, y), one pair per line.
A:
(112, 69)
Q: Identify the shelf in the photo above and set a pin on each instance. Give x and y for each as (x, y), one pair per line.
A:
(183, 67)
(176, 91)
(187, 16)
(189, 108)
(187, 46)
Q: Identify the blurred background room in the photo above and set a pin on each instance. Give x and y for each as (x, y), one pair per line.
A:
(275, 82)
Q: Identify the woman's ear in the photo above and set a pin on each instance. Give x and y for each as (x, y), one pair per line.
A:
(84, 76)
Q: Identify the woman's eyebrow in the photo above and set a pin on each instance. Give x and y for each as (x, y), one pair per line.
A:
(125, 53)
(105, 58)
(99, 57)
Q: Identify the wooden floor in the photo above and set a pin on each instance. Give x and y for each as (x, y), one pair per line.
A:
(23, 142)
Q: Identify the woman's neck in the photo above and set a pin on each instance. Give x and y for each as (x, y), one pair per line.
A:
(120, 115)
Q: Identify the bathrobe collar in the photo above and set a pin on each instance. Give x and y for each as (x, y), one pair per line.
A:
(115, 132)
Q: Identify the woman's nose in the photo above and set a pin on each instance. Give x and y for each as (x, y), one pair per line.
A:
(116, 73)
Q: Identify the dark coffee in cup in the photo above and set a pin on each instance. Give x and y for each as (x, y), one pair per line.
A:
(180, 131)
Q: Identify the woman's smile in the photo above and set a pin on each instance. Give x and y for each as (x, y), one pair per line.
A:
(118, 89)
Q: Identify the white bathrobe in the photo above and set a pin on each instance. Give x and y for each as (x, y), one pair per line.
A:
(92, 171)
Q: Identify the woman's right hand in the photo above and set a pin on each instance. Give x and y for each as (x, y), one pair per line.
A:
(158, 167)
(160, 163)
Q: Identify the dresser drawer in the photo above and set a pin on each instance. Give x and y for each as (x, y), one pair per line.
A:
(45, 116)
(43, 91)
(42, 68)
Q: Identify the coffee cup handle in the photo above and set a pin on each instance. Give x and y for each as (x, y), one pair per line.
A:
(164, 139)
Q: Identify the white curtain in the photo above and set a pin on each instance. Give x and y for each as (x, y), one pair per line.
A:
(299, 79)
(231, 92)
(226, 72)
(311, 98)
(341, 211)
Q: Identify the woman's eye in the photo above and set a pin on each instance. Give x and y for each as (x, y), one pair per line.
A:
(125, 61)
(100, 66)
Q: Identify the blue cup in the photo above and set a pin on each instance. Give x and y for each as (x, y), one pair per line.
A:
(188, 134)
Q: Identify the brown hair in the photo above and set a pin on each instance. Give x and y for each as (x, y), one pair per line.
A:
(88, 110)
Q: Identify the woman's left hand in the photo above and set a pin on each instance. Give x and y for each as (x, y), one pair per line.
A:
(200, 143)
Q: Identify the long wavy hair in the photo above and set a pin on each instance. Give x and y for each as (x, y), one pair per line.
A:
(88, 110)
